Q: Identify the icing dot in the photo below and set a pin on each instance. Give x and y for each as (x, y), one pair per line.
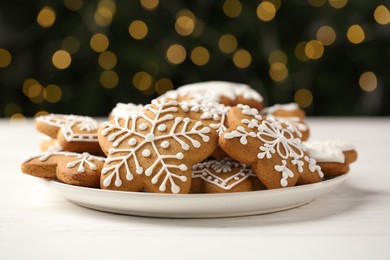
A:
(162, 127)
(143, 126)
(180, 156)
(183, 167)
(209, 177)
(146, 153)
(236, 178)
(149, 137)
(132, 141)
(165, 144)
(283, 182)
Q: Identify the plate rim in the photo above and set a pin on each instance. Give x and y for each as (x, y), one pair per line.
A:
(336, 179)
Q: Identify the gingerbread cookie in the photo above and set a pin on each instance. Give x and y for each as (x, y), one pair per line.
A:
(221, 176)
(292, 116)
(71, 168)
(73, 133)
(334, 156)
(210, 113)
(154, 150)
(227, 93)
(124, 110)
(275, 155)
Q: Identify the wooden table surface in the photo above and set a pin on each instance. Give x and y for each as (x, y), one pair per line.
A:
(351, 222)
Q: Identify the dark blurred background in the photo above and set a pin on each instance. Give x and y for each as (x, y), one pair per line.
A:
(332, 57)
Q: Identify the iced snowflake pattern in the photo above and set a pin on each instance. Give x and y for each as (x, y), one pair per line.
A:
(67, 122)
(275, 138)
(156, 129)
(80, 159)
(84, 159)
(211, 110)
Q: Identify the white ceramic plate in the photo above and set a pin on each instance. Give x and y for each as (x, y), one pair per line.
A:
(195, 205)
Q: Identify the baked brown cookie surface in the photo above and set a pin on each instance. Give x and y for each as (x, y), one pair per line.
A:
(154, 150)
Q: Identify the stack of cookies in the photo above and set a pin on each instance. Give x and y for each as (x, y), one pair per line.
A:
(209, 137)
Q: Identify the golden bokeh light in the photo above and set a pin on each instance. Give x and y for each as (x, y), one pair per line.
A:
(18, 118)
(61, 59)
(355, 34)
(99, 42)
(232, 8)
(200, 56)
(35, 90)
(71, 44)
(300, 51)
(5, 58)
(242, 59)
(338, 3)
(314, 49)
(46, 17)
(266, 11)
(52, 93)
(278, 72)
(227, 43)
(142, 80)
(41, 113)
(27, 84)
(176, 54)
(317, 3)
(368, 81)
(11, 108)
(326, 35)
(138, 29)
(277, 56)
(185, 22)
(382, 15)
(303, 97)
(109, 79)
(103, 16)
(107, 60)
(163, 85)
(149, 4)
(73, 5)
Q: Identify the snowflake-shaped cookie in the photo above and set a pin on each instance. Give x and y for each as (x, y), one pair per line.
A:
(80, 169)
(154, 149)
(73, 133)
(274, 152)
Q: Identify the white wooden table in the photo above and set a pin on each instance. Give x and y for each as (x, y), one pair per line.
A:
(352, 222)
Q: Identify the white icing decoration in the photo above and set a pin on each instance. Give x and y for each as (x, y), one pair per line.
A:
(208, 171)
(124, 110)
(162, 127)
(143, 126)
(179, 132)
(132, 141)
(67, 122)
(47, 154)
(275, 139)
(146, 153)
(313, 167)
(165, 144)
(328, 151)
(214, 90)
(210, 110)
(286, 173)
(85, 158)
(286, 107)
